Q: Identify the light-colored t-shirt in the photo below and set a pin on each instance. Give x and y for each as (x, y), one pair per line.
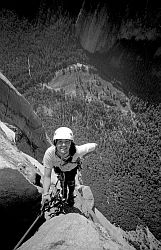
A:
(51, 160)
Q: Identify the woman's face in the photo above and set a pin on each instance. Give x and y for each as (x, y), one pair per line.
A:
(63, 146)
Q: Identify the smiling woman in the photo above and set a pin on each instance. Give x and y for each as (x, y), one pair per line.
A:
(63, 140)
(63, 147)
(64, 157)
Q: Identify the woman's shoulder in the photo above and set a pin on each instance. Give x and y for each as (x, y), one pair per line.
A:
(49, 157)
(50, 150)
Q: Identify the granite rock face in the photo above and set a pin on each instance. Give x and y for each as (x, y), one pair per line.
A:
(91, 30)
(81, 227)
(20, 199)
(16, 110)
(84, 227)
(19, 203)
(71, 232)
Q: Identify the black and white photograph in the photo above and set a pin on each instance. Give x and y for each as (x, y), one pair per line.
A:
(80, 125)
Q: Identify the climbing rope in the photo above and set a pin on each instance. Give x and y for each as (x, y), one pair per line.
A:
(56, 204)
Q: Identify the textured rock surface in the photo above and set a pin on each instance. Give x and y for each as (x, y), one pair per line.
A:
(8, 132)
(15, 110)
(142, 238)
(82, 227)
(71, 232)
(91, 30)
(19, 203)
(11, 157)
(19, 198)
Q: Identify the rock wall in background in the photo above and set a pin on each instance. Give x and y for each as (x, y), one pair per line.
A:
(93, 30)
(15, 110)
(116, 34)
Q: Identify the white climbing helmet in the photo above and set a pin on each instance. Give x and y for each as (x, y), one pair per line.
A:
(63, 133)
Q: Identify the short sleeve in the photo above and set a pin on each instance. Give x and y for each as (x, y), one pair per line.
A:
(48, 159)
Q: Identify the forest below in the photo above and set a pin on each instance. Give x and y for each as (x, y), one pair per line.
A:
(125, 172)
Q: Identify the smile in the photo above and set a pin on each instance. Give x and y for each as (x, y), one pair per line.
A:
(63, 149)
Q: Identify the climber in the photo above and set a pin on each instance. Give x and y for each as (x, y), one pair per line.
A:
(63, 157)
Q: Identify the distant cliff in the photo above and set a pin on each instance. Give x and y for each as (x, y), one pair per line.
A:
(93, 30)
(100, 28)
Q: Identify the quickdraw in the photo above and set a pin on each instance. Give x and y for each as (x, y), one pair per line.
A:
(57, 203)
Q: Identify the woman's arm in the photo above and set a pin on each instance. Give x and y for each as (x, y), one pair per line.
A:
(48, 164)
(47, 180)
(85, 149)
